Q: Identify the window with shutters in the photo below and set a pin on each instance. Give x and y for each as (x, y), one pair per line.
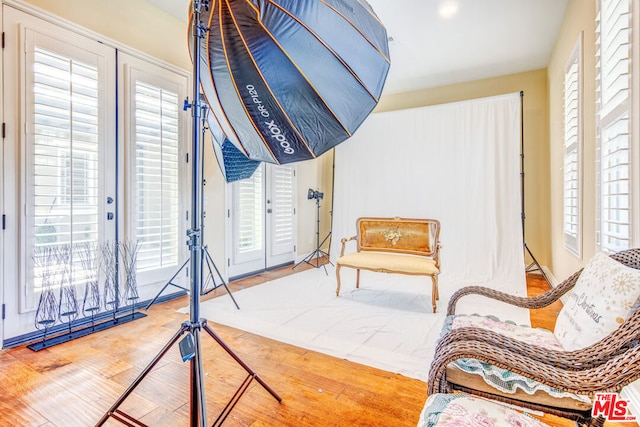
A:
(615, 142)
(157, 176)
(249, 223)
(283, 202)
(572, 170)
(262, 220)
(80, 113)
(63, 160)
(156, 168)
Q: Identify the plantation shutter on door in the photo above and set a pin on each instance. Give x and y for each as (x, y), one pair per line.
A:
(64, 177)
(572, 146)
(613, 78)
(249, 219)
(156, 132)
(282, 213)
(157, 176)
(262, 220)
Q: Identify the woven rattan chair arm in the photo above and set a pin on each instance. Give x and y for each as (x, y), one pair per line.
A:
(609, 376)
(344, 241)
(630, 258)
(539, 301)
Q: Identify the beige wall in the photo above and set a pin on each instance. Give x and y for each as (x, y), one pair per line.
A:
(579, 21)
(131, 22)
(536, 131)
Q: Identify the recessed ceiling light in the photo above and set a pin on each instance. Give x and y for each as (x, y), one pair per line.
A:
(448, 8)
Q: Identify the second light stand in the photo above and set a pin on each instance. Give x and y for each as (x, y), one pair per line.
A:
(318, 254)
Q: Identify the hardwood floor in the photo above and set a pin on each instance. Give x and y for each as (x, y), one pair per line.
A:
(74, 384)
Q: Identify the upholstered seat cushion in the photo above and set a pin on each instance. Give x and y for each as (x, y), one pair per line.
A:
(477, 375)
(457, 410)
(407, 264)
(541, 337)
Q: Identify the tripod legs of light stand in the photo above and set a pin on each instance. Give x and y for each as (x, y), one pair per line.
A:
(204, 291)
(317, 254)
(210, 264)
(170, 282)
(196, 365)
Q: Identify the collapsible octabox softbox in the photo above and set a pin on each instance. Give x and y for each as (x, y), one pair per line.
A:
(287, 80)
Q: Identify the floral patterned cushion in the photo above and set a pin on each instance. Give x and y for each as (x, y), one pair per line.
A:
(460, 410)
(542, 337)
(499, 378)
(601, 300)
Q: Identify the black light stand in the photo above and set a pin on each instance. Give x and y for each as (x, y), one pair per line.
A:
(534, 265)
(190, 345)
(211, 265)
(318, 253)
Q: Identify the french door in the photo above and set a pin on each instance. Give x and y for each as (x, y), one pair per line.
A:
(261, 217)
(78, 170)
(59, 114)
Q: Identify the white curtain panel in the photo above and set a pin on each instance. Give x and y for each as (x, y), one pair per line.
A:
(458, 163)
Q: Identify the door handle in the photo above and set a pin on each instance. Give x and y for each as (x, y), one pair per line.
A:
(268, 210)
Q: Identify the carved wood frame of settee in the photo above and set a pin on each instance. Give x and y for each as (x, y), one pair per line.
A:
(395, 245)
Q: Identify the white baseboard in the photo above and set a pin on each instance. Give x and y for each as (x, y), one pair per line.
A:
(550, 277)
(553, 282)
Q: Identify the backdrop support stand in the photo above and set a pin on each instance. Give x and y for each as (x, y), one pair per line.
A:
(190, 344)
(318, 252)
(534, 265)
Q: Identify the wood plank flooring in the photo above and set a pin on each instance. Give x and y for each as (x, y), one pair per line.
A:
(74, 384)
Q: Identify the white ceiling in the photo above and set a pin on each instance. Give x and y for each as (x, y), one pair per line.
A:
(484, 38)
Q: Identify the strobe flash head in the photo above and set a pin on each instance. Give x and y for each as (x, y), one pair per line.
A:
(313, 194)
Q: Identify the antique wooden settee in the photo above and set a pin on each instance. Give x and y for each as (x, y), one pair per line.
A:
(394, 245)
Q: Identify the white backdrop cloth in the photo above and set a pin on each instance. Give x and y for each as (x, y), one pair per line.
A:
(458, 163)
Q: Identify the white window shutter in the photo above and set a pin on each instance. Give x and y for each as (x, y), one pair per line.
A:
(156, 136)
(614, 141)
(572, 169)
(283, 205)
(157, 188)
(64, 157)
(249, 207)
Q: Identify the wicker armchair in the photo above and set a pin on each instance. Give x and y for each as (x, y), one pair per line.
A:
(606, 366)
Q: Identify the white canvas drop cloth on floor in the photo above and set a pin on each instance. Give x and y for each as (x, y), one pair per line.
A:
(387, 324)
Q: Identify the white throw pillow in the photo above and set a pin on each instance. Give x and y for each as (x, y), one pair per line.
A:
(601, 300)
